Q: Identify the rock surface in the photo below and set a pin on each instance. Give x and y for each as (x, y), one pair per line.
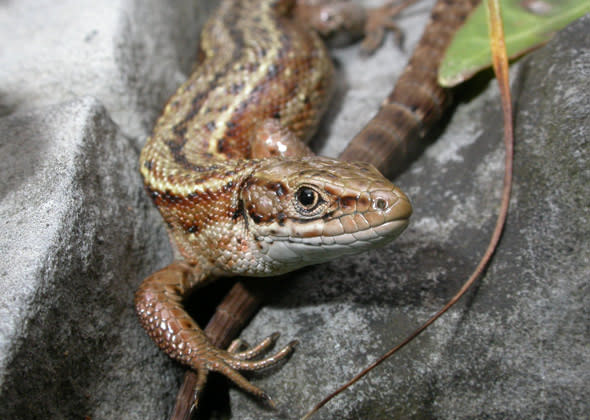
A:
(79, 235)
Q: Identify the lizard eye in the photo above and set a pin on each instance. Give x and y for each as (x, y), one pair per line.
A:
(307, 200)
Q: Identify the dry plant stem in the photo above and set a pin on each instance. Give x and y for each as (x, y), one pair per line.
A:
(231, 315)
(500, 64)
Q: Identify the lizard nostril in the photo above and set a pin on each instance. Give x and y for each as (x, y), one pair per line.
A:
(381, 204)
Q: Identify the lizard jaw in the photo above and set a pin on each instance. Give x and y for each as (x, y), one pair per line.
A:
(294, 250)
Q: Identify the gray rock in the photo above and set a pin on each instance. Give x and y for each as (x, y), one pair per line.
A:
(129, 54)
(76, 222)
(79, 232)
(79, 235)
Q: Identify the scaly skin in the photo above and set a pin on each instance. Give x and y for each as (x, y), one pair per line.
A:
(239, 191)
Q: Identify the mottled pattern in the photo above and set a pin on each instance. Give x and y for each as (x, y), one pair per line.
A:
(239, 191)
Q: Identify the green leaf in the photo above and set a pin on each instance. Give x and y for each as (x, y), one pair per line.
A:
(528, 24)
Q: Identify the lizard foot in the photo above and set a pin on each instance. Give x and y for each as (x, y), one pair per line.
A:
(229, 362)
(378, 21)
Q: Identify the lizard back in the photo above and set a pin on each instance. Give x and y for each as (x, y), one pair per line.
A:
(255, 64)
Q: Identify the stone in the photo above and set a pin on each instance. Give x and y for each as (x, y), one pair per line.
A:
(76, 224)
(79, 231)
(131, 55)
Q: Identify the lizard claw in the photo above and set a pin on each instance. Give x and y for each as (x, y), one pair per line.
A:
(229, 362)
(242, 360)
(248, 353)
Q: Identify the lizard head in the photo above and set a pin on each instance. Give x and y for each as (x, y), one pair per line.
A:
(311, 210)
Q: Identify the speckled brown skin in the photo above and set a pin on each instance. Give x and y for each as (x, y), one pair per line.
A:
(240, 193)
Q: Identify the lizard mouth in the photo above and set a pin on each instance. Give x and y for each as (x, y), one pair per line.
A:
(371, 236)
(297, 251)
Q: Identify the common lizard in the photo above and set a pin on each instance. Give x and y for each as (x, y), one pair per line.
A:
(240, 192)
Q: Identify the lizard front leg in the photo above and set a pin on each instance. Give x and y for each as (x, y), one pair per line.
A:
(158, 303)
